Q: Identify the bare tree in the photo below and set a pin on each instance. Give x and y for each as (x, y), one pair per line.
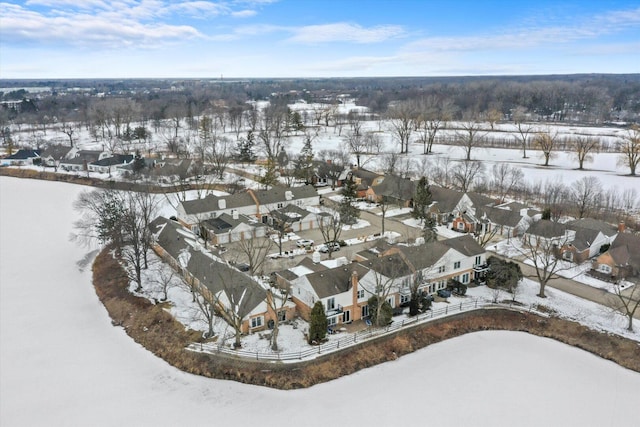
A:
(585, 195)
(505, 178)
(385, 272)
(255, 250)
(466, 173)
(330, 228)
(470, 137)
(220, 155)
(442, 172)
(164, 278)
(626, 300)
(542, 253)
(276, 299)
(402, 116)
(69, 130)
(546, 141)
(630, 150)
(582, 148)
(524, 129)
(434, 115)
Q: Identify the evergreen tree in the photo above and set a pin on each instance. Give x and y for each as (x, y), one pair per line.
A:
(421, 200)
(429, 230)
(386, 312)
(349, 213)
(319, 324)
(245, 148)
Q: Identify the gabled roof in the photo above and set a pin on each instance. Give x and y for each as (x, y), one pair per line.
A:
(282, 194)
(225, 222)
(116, 159)
(24, 154)
(171, 236)
(464, 244)
(334, 281)
(396, 187)
(446, 199)
(211, 203)
(57, 151)
(625, 250)
(480, 200)
(240, 289)
(392, 265)
(546, 228)
(366, 176)
(593, 224)
(500, 216)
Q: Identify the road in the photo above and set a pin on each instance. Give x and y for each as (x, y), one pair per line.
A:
(572, 287)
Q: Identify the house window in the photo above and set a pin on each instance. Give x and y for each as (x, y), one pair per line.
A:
(404, 299)
(331, 304)
(478, 260)
(465, 278)
(391, 301)
(456, 264)
(568, 255)
(365, 311)
(604, 268)
(256, 322)
(282, 315)
(360, 293)
(441, 269)
(461, 226)
(280, 205)
(332, 320)
(346, 316)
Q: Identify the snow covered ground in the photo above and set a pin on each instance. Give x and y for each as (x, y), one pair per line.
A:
(64, 364)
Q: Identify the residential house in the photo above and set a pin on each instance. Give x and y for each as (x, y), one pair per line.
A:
(458, 210)
(397, 190)
(191, 213)
(506, 222)
(345, 290)
(232, 228)
(591, 235)
(107, 164)
(363, 179)
(337, 289)
(547, 234)
(81, 159)
(54, 154)
(22, 157)
(298, 219)
(620, 261)
(234, 292)
(268, 201)
(258, 204)
(214, 278)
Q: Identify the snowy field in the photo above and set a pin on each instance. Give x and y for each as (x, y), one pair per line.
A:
(64, 364)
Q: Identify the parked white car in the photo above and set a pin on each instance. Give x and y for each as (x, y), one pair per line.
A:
(303, 243)
(335, 246)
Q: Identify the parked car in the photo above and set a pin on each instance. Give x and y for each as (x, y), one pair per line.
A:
(333, 246)
(444, 293)
(303, 243)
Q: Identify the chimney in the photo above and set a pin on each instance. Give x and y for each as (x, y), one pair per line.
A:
(355, 313)
(621, 227)
(222, 204)
(234, 214)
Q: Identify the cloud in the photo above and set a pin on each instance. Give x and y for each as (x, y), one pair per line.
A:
(246, 13)
(344, 32)
(533, 36)
(83, 29)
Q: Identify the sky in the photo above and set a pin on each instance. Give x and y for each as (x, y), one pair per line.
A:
(315, 38)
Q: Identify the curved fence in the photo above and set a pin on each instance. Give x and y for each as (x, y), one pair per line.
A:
(349, 340)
